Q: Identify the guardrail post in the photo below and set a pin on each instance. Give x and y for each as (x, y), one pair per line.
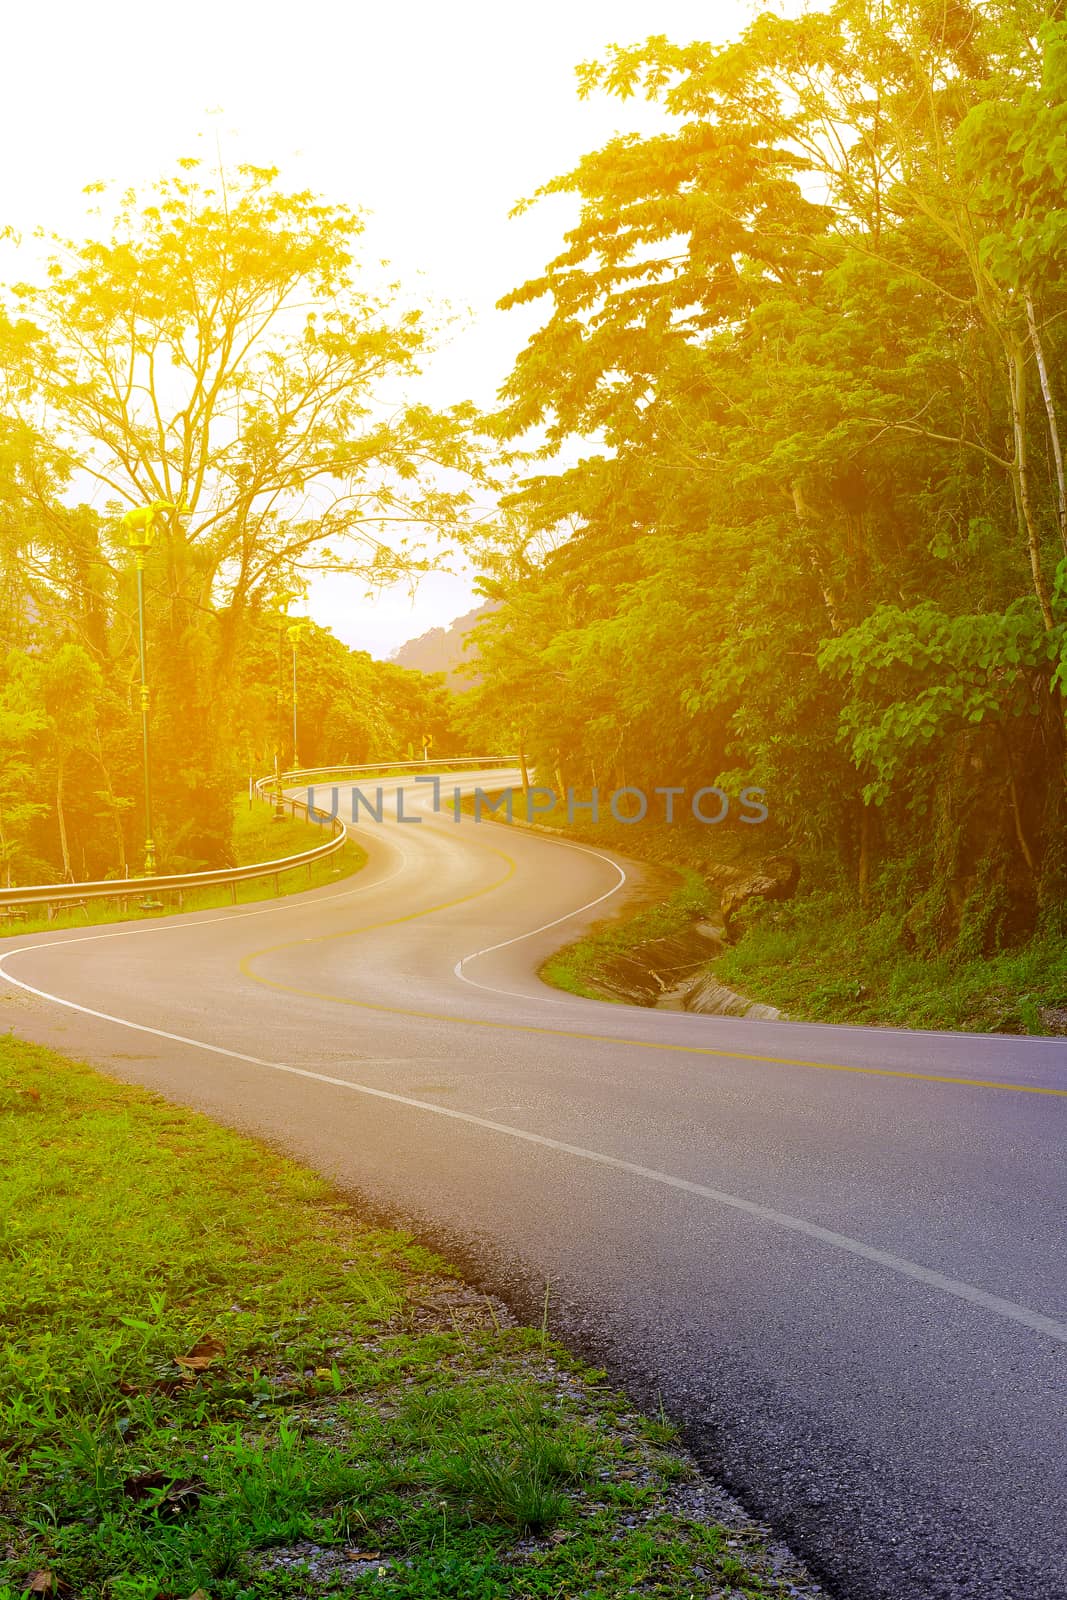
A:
(233, 894)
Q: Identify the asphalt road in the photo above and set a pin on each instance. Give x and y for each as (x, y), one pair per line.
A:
(837, 1254)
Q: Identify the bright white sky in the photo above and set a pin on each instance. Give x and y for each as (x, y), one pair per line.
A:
(435, 118)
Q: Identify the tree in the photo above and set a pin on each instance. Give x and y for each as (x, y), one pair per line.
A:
(20, 722)
(217, 352)
(67, 687)
(809, 338)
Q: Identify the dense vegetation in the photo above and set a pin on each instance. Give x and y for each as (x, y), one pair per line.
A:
(70, 741)
(216, 353)
(811, 338)
(788, 505)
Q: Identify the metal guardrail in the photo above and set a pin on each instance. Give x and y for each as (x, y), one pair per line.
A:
(267, 785)
(51, 895)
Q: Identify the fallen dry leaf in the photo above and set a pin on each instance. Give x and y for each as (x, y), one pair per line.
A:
(204, 1354)
(41, 1583)
(363, 1555)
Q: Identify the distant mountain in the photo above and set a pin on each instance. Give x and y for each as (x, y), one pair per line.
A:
(442, 649)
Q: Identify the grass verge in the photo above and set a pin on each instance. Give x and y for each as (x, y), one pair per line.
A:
(585, 967)
(256, 837)
(817, 958)
(217, 1382)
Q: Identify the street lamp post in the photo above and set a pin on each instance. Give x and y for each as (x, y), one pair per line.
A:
(140, 531)
(279, 807)
(294, 634)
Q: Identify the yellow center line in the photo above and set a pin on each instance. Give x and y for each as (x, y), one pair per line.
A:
(571, 1033)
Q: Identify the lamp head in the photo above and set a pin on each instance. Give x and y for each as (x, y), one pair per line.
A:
(140, 523)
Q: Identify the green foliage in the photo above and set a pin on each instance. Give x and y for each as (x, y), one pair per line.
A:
(70, 746)
(792, 513)
(211, 348)
(914, 677)
(820, 958)
(340, 1434)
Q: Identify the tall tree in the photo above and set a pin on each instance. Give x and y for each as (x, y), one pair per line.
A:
(217, 352)
(810, 336)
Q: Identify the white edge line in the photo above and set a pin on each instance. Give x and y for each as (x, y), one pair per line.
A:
(177, 920)
(513, 994)
(955, 1287)
(545, 926)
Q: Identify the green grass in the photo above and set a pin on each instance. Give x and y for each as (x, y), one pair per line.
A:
(215, 1376)
(583, 967)
(257, 836)
(819, 958)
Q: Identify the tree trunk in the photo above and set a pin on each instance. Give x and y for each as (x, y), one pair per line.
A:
(1016, 812)
(111, 801)
(120, 838)
(61, 817)
(863, 875)
(803, 512)
(1053, 424)
(525, 770)
(1021, 477)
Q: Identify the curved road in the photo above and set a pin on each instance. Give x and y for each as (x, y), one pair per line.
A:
(837, 1254)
